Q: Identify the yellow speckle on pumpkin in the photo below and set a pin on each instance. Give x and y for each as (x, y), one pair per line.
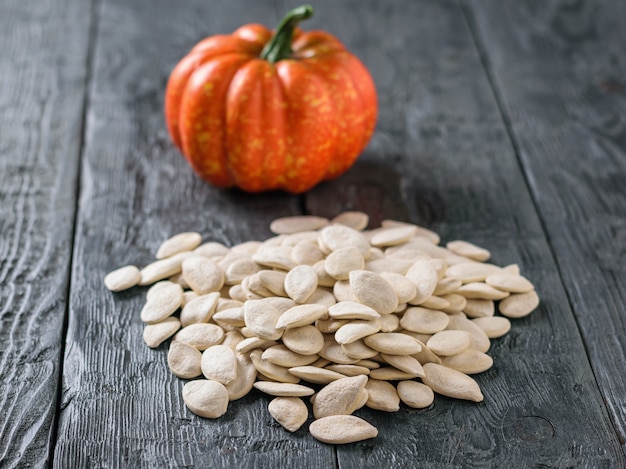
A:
(208, 88)
(203, 137)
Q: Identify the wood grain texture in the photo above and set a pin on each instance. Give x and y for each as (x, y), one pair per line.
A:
(43, 62)
(441, 131)
(121, 406)
(559, 70)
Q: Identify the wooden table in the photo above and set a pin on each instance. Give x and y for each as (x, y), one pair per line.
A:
(501, 123)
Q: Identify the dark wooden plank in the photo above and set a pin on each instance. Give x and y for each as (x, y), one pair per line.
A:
(121, 406)
(559, 71)
(43, 62)
(440, 130)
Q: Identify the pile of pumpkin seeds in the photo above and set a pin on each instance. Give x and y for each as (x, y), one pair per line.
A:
(329, 311)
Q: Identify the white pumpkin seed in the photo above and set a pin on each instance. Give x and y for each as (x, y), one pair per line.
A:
(466, 249)
(451, 383)
(219, 364)
(184, 360)
(296, 224)
(199, 309)
(200, 336)
(283, 389)
(382, 395)
(494, 327)
(519, 305)
(122, 278)
(341, 429)
(301, 315)
(206, 398)
(178, 243)
(341, 262)
(416, 395)
(305, 340)
(355, 220)
(300, 283)
(393, 343)
(446, 343)
(155, 334)
(290, 412)
(423, 320)
(162, 302)
(339, 397)
(374, 291)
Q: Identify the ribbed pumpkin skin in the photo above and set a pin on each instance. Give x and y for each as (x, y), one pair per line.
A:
(243, 121)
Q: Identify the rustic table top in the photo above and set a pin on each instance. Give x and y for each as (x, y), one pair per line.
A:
(501, 123)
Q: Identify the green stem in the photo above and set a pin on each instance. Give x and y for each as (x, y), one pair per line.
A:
(279, 46)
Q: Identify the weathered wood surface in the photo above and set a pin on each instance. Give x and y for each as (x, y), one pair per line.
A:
(43, 53)
(458, 173)
(139, 191)
(464, 145)
(559, 70)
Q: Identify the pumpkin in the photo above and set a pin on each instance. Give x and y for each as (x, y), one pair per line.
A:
(263, 111)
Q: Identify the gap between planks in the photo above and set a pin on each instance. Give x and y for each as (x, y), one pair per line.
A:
(506, 120)
(89, 67)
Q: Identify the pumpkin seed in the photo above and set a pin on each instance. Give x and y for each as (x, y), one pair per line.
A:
(178, 243)
(123, 278)
(469, 361)
(219, 364)
(305, 340)
(272, 371)
(283, 389)
(338, 397)
(446, 343)
(451, 383)
(184, 360)
(466, 249)
(163, 269)
(393, 236)
(352, 310)
(280, 355)
(494, 327)
(202, 274)
(261, 317)
(423, 320)
(290, 412)
(341, 429)
(374, 291)
(206, 398)
(335, 237)
(314, 374)
(519, 305)
(246, 376)
(301, 315)
(155, 334)
(357, 329)
(341, 262)
(200, 335)
(199, 309)
(296, 224)
(355, 220)
(382, 395)
(509, 282)
(414, 394)
(300, 283)
(162, 302)
(393, 343)
(425, 278)
(475, 308)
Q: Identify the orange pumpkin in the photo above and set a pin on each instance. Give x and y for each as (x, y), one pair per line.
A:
(265, 111)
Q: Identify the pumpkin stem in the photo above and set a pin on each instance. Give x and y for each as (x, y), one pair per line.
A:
(279, 46)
